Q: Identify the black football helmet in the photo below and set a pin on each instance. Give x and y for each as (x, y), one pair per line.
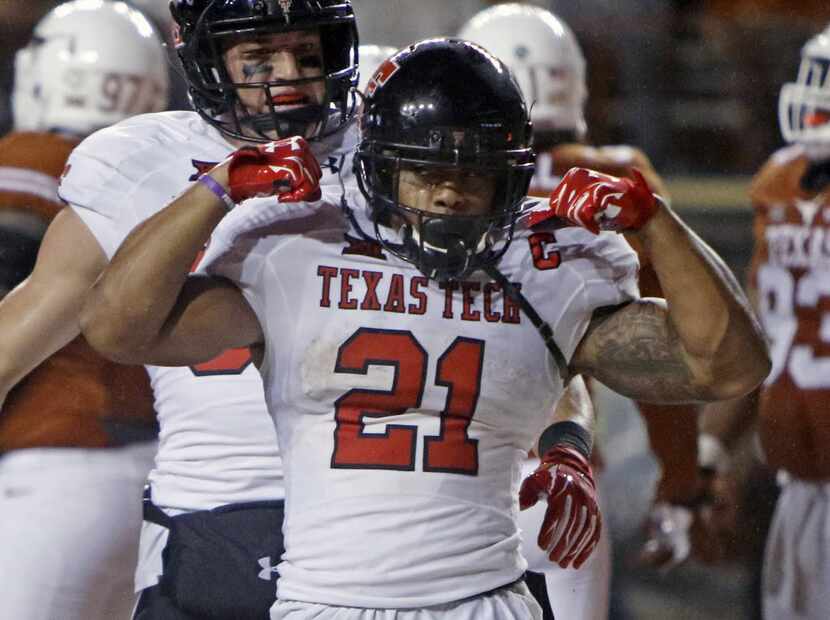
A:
(204, 25)
(444, 103)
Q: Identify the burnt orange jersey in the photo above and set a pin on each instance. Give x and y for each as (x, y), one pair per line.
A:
(75, 398)
(30, 168)
(791, 274)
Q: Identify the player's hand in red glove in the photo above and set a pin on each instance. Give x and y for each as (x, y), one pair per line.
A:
(572, 525)
(598, 201)
(286, 169)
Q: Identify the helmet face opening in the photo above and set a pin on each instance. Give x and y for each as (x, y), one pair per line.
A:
(442, 244)
(208, 29)
(804, 105)
(472, 135)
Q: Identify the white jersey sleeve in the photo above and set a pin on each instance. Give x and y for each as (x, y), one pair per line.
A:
(121, 175)
(608, 270)
(568, 273)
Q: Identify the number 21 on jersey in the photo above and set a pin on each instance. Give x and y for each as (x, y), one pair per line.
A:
(459, 370)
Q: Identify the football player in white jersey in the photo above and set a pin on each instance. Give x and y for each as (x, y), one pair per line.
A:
(77, 432)
(255, 71)
(399, 330)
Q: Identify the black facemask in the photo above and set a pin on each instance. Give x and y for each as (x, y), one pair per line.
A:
(446, 247)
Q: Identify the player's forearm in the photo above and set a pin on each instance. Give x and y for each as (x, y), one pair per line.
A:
(672, 432)
(574, 406)
(34, 323)
(706, 307)
(728, 421)
(129, 306)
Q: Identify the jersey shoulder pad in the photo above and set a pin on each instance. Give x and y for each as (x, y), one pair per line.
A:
(577, 242)
(778, 179)
(111, 162)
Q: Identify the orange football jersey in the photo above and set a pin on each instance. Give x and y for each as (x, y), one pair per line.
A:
(791, 274)
(75, 398)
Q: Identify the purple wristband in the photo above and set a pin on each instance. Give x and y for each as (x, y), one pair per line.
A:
(214, 186)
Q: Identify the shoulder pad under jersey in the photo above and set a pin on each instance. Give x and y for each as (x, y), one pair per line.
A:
(778, 180)
(108, 164)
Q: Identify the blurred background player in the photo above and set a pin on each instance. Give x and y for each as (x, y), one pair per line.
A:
(546, 59)
(790, 284)
(77, 432)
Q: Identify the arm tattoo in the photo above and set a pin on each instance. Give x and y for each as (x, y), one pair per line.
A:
(635, 351)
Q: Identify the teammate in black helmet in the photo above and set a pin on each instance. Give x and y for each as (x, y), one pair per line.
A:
(234, 54)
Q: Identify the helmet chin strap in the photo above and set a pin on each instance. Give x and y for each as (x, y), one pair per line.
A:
(539, 323)
(445, 248)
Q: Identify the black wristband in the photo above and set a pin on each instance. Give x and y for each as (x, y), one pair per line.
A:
(569, 433)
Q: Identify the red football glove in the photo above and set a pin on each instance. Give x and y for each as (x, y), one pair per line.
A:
(572, 525)
(598, 201)
(285, 168)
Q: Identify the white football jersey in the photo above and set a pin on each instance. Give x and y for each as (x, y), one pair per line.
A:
(405, 408)
(217, 443)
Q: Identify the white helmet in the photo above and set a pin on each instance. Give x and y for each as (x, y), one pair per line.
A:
(804, 105)
(543, 53)
(371, 57)
(157, 10)
(90, 63)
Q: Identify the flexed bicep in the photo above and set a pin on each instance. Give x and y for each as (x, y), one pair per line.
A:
(209, 317)
(635, 350)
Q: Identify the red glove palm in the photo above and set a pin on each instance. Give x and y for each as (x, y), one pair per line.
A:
(572, 525)
(286, 169)
(598, 201)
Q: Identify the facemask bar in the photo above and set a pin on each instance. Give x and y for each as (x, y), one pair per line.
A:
(804, 106)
